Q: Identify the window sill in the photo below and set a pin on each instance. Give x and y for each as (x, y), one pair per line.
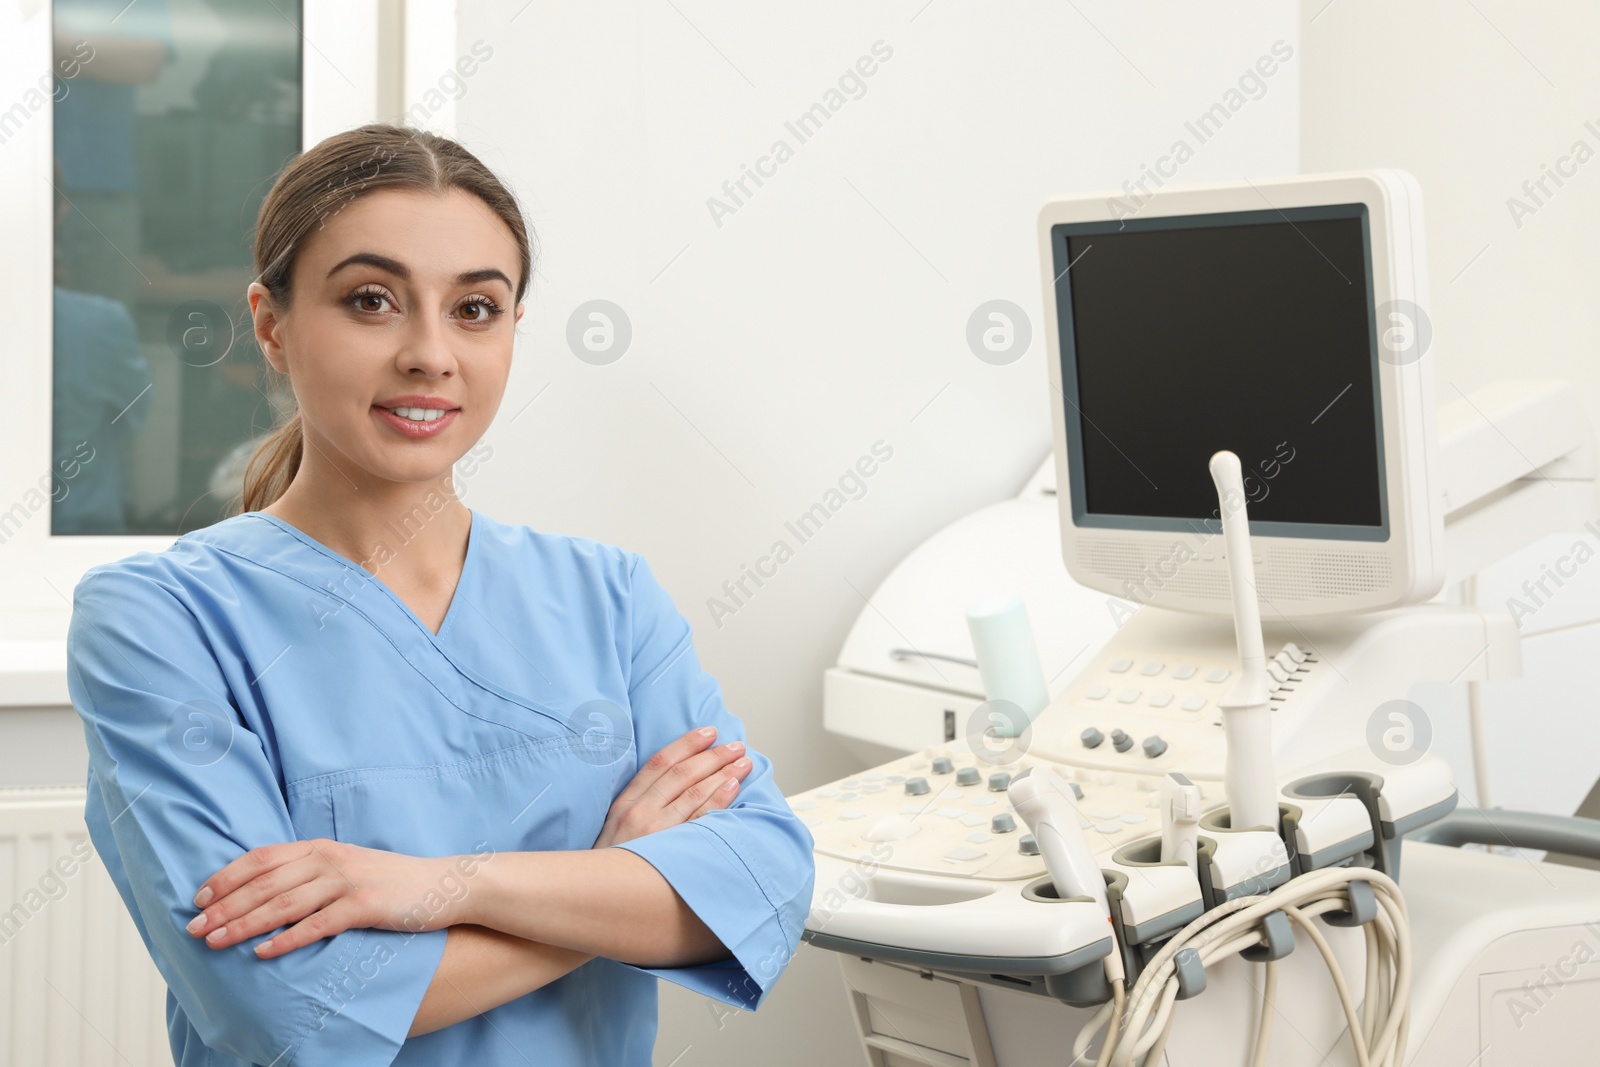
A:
(33, 674)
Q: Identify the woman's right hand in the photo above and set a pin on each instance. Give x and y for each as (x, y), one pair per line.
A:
(683, 781)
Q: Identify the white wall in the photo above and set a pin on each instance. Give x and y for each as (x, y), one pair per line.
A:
(1475, 99)
(826, 313)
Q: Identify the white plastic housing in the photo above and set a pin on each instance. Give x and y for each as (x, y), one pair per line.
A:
(1297, 576)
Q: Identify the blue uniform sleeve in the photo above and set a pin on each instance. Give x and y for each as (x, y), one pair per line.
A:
(746, 870)
(178, 788)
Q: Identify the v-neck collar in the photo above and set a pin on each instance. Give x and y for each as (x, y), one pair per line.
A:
(456, 600)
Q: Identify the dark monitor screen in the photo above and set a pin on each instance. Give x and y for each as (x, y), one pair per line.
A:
(1251, 331)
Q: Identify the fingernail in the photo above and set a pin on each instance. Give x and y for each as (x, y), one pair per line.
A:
(217, 934)
(263, 946)
(197, 923)
(202, 898)
(741, 764)
(735, 746)
(707, 731)
(730, 785)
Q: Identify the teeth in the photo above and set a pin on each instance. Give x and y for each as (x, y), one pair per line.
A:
(419, 414)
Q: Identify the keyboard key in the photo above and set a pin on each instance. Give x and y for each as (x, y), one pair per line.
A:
(1097, 692)
(1218, 674)
(1151, 669)
(965, 853)
(1160, 700)
(1183, 673)
(1119, 666)
(1127, 696)
(1193, 703)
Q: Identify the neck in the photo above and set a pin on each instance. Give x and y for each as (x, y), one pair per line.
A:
(401, 528)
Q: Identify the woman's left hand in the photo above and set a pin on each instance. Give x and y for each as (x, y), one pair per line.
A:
(319, 888)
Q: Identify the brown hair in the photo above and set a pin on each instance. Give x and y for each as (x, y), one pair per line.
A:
(323, 181)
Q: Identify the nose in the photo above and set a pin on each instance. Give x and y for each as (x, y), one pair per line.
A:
(425, 349)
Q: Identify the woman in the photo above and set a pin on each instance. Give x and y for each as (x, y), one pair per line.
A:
(365, 764)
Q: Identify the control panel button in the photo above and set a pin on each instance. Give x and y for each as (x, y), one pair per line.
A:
(1294, 652)
(891, 828)
(968, 776)
(972, 818)
(1091, 737)
(1108, 828)
(1118, 666)
(852, 813)
(999, 782)
(1133, 818)
(1275, 669)
(1218, 674)
(916, 787)
(1077, 790)
(979, 838)
(1160, 700)
(1183, 672)
(1121, 740)
(1154, 746)
(942, 765)
(1027, 845)
(1127, 696)
(1151, 669)
(1002, 824)
(1193, 703)
(965, 853)
(1097, 692)
(805, 805)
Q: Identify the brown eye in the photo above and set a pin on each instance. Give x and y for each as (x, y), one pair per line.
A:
(484, 309)
(370, 300)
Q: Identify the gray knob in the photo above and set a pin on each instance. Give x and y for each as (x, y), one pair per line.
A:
(915, 787)
(968, 776)
(999, 782)
(1121, 740)
(1002, 824)
(1154, 746)
(1027, 845)
(942, 765)
(1077, 790)
(1091, 738)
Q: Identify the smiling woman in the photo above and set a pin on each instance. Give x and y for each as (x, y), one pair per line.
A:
(279, 793)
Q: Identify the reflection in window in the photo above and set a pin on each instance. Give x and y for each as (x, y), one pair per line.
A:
(171, 117)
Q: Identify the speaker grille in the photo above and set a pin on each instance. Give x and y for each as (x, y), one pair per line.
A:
(1286, 576)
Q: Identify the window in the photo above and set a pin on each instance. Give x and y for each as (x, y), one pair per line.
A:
(170, 119)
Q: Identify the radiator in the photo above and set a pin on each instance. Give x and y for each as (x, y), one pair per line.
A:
(77, 987)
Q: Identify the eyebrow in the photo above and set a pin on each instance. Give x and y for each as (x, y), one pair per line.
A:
(395, 267)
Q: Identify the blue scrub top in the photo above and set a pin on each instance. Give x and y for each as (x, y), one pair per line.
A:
(249, 686)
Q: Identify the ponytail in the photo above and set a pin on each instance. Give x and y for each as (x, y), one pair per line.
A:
(273, 465)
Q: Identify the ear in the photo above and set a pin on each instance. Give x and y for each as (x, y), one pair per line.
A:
(268, 326)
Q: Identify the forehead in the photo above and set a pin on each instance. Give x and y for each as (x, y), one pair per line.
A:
(435, 235)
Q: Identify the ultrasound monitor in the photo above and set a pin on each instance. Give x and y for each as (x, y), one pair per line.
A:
(1281, 320)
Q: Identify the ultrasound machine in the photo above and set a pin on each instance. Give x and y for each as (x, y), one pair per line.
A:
(1173, 803)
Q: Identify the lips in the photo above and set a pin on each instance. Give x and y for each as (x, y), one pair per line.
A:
(416, 427)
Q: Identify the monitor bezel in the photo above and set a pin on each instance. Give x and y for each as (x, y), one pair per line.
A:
(1067, 335)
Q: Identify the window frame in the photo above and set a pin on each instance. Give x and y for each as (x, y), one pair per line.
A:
(349, 76)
